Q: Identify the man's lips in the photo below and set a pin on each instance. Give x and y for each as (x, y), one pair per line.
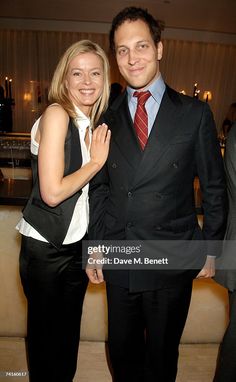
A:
(135, 71)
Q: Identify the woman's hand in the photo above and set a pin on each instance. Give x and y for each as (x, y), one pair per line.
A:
(100, 145)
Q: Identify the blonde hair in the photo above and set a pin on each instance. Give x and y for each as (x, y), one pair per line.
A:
(58, 92)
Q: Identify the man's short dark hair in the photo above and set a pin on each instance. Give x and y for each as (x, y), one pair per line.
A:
(133, 14)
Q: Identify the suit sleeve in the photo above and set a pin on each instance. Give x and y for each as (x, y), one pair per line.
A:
(210, 170)
(230, 160)
(98, 194)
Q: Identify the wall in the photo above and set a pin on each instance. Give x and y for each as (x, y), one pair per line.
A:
(31, 49)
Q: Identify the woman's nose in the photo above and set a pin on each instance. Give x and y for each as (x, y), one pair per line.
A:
(87, 78)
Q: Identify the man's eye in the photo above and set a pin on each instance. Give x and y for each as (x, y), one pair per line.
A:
(96, 74)
(77, 74)
(142, 46)
(122, 51)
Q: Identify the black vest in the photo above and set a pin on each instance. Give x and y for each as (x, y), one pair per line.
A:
(53, 222)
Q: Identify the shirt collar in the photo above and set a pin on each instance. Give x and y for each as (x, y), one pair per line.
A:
(156, 89)
(81, 119)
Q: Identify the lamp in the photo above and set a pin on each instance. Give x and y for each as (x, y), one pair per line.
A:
(207, 95)
(195, 90)
(27, 97)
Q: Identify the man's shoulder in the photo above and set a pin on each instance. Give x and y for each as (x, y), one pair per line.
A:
(183, 98)
(115, 109)
(116, 104)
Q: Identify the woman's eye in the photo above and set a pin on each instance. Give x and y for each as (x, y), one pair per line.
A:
(96, 74)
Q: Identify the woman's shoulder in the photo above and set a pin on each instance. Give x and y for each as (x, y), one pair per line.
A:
(54, 115)
(55, 110)
(54, 121)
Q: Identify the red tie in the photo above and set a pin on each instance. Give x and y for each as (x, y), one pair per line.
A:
(141, 118)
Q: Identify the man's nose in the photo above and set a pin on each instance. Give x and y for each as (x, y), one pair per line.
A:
(133, 57)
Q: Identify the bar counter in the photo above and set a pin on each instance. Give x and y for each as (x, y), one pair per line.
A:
(15, 192)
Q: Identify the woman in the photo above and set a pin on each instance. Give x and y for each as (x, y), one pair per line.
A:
(226, 275)
(66, 155)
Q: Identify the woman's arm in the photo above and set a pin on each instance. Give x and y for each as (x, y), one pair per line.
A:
(53, 128)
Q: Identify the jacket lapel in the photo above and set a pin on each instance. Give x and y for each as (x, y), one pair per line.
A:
(166, 126)
(123, 134)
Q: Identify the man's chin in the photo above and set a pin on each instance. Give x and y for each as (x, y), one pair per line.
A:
(137, 85)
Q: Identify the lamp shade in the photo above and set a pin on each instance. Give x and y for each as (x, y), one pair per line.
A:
(207, 95)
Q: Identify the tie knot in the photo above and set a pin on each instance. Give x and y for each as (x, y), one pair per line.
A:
(142, 96)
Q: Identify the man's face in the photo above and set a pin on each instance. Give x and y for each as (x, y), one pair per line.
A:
(136, 53)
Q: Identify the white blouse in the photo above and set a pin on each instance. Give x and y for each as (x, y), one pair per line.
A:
(80, 218)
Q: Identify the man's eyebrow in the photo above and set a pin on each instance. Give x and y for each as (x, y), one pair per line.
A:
(137, 42)
(121, 46)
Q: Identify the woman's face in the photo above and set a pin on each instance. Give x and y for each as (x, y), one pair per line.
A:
(84, 80)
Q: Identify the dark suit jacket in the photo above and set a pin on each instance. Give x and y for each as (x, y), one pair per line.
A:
(226, 275)
(149, 195)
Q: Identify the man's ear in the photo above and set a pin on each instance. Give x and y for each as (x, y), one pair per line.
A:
(159, 50)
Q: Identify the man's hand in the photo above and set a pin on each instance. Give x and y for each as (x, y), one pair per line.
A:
(95, 275)
(94, 267)
(209, 268)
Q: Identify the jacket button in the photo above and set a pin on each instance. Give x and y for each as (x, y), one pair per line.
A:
(129, 225)
(114, 165)
(158, 227)
(129, 194)
(175, 165)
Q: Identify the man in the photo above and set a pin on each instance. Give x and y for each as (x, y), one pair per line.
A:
(226, 274)
(145, 192)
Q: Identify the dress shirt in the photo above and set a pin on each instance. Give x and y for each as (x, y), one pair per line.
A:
(157, 89)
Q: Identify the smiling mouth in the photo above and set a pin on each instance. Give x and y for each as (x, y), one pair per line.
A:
(86, 91)
(136, 71)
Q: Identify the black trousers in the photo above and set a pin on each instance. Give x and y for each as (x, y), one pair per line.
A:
(226, 362)
(54, 284)
(144, 331)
